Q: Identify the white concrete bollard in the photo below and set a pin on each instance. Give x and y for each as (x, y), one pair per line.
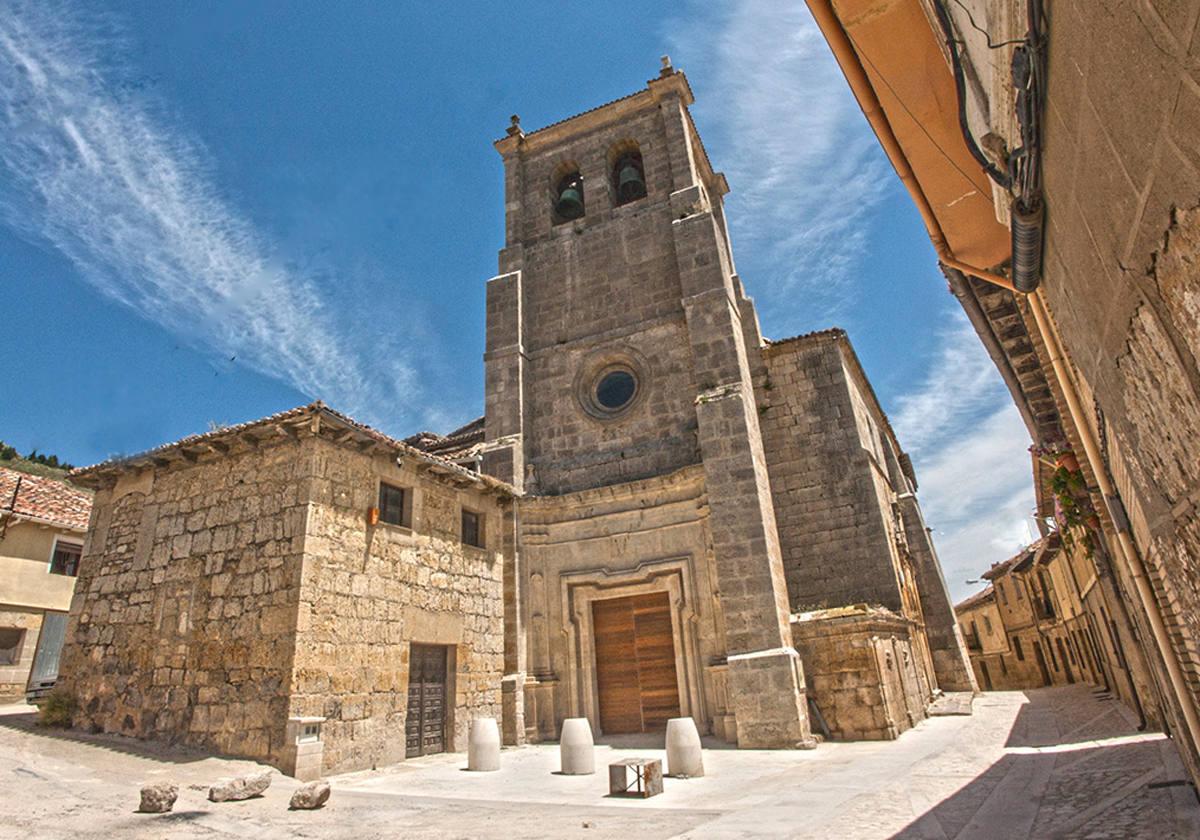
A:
(684, 756)
(483, 745)
(576, 748)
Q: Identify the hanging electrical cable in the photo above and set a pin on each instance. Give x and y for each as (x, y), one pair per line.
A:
(994, 172)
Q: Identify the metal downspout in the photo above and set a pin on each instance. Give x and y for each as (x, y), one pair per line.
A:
(1133, 560)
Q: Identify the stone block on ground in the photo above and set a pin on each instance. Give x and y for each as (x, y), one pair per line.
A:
(159, 798)
(310, 797)
(243, 787)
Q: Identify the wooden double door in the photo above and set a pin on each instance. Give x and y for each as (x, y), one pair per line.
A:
(635, 663)
(425, 726)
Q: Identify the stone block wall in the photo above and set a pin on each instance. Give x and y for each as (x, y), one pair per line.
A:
(183, 622)
(601, 288)
(832, 531)
(861, 671)
(369, 592)
(1122, 241)
(218, 599)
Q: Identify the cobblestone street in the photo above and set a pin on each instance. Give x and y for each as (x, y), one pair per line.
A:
(1061, 762)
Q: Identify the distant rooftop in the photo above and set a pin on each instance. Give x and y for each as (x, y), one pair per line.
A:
(49, 501)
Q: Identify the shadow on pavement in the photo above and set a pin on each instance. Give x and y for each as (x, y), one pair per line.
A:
(1054, 781)
(26, 722)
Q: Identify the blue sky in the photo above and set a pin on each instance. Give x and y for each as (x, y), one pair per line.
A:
(211, 212)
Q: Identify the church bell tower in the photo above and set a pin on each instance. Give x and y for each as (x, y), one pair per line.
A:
(620, 355)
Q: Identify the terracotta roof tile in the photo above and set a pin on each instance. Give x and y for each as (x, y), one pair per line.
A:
(48, 500)
(988, 594)
(116, 465)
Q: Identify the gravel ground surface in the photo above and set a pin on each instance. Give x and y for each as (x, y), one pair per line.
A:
(1060, 762)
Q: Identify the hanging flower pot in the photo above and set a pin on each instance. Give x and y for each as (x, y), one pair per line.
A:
(1068, 460)
(1092, 521)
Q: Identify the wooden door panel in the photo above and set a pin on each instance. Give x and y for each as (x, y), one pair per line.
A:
(616, 666)
(635, 663)
(425, 727)
(656, 660)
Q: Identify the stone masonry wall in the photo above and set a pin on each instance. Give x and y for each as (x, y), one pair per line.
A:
(369, 592)
(602, 287)
(1122, 241)
(861, 672)
(183, 622)
(833, 534)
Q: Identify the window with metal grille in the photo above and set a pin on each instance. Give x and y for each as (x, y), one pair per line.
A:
(472, 528)
(66, 559)
(393, 505)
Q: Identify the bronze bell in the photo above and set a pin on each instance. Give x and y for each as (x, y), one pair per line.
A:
(570, 198)
(630, 184)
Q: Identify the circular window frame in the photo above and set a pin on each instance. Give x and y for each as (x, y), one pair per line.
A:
(591, 374)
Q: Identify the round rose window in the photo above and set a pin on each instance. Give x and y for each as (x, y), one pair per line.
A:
(615, 390)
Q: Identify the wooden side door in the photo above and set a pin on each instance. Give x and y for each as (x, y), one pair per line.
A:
(425, 726)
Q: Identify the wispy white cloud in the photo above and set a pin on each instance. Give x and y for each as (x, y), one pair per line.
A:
(805, 169)
(807, 180)
(969, 447)
(91, 167)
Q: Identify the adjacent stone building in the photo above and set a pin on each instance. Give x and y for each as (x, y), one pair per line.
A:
(1028, 628)
(660, 514)
(302, 590)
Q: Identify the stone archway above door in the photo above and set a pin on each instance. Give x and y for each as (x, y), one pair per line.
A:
(581, 590)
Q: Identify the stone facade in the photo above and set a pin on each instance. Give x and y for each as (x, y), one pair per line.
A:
(864, 672)
(237, 593)
(845, 499)
(745, 478)
(1035, 626)
(234, 582)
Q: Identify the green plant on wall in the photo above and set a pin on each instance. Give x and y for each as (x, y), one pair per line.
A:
(1072, 508)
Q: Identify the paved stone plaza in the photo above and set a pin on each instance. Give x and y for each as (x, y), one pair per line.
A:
(1056, 762)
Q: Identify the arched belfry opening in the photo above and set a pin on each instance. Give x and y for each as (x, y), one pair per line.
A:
(566, 188)
(627, 172)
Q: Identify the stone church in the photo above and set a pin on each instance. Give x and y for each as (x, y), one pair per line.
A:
(660, 514)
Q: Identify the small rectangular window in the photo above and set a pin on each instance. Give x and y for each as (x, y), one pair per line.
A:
(1017, 647)
(10, 645)
(393, 505)
(987, 625)
(66, 559)
(472, 528)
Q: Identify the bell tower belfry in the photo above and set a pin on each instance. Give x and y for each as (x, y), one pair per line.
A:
(619, 363)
